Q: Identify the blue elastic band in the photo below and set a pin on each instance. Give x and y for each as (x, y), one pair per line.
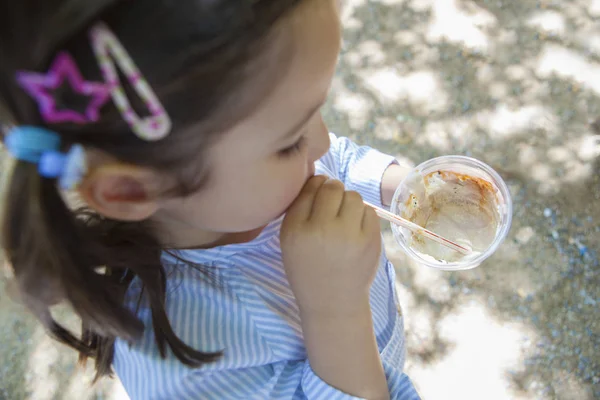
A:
(42, 147)
(52, 164)
(29, 143)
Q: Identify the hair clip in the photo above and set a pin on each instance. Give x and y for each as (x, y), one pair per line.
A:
(110, 54)
(109, 50)
(64, 69)
(42, 147)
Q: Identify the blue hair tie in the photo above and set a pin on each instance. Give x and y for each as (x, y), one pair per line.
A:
(42, 147)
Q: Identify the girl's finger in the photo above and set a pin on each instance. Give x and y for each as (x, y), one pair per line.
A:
(352, 208)
(370, 221)
(328, 201)
(301, 208)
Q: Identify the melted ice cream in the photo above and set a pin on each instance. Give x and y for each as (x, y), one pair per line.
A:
(461, 208)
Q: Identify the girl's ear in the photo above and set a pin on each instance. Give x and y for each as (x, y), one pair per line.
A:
(121, 192)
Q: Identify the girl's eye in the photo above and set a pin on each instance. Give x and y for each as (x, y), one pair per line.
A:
(293, 149)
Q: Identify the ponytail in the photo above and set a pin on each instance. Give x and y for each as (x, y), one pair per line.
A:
(58, 255)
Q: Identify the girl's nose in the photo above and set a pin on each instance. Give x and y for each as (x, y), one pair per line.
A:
(319, 145)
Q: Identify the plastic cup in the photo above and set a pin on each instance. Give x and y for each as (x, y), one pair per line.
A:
(464, 166)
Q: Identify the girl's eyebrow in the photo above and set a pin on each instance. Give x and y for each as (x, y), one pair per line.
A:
(304, 120)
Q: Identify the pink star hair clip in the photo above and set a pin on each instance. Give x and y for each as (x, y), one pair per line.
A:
(110, 54)
(64, 70)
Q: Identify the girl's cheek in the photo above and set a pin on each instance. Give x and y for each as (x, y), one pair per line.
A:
(294, 183)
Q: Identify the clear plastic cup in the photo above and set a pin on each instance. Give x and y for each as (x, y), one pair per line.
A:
(464, 166)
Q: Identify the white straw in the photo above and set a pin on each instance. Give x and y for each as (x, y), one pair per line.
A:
(388, 216)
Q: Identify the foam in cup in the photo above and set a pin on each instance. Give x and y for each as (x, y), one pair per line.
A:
(459, 207)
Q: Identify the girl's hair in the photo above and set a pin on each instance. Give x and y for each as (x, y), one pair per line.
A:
(197, 55)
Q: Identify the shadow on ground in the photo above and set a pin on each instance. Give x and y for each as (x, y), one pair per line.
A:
(513, 83)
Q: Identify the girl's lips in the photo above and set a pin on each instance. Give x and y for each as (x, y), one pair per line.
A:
(311, 173)
(311, 170)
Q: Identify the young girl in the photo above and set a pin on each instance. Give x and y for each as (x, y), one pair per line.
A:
(224, 250)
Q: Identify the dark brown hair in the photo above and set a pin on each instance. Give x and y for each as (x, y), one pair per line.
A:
(197, 55)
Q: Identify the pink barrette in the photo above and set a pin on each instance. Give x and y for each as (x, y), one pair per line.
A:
(64, 69)
(105, 45)
(107, 48)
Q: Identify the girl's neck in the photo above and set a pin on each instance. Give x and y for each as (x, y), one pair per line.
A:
(182, 236)
(233, 238)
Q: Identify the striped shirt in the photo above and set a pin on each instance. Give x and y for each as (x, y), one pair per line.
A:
(243, 305)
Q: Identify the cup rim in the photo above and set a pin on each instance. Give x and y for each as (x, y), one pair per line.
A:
(503, 190)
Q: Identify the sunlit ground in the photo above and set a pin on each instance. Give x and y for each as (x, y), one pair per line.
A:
(517, 85)
(513, 83)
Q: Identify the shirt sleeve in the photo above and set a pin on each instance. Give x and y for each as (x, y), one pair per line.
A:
(283, 380)
(360, 168)
(399, 384)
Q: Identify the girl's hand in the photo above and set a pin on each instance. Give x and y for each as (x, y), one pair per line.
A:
(331, 243)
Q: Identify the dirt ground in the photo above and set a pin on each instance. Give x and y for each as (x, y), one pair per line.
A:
(513, 83)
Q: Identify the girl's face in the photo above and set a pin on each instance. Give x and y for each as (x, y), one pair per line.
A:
(259, 167)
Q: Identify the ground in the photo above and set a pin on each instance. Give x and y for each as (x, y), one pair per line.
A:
(513, 83)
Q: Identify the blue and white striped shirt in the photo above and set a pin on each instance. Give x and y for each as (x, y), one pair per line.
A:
(245, 306)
